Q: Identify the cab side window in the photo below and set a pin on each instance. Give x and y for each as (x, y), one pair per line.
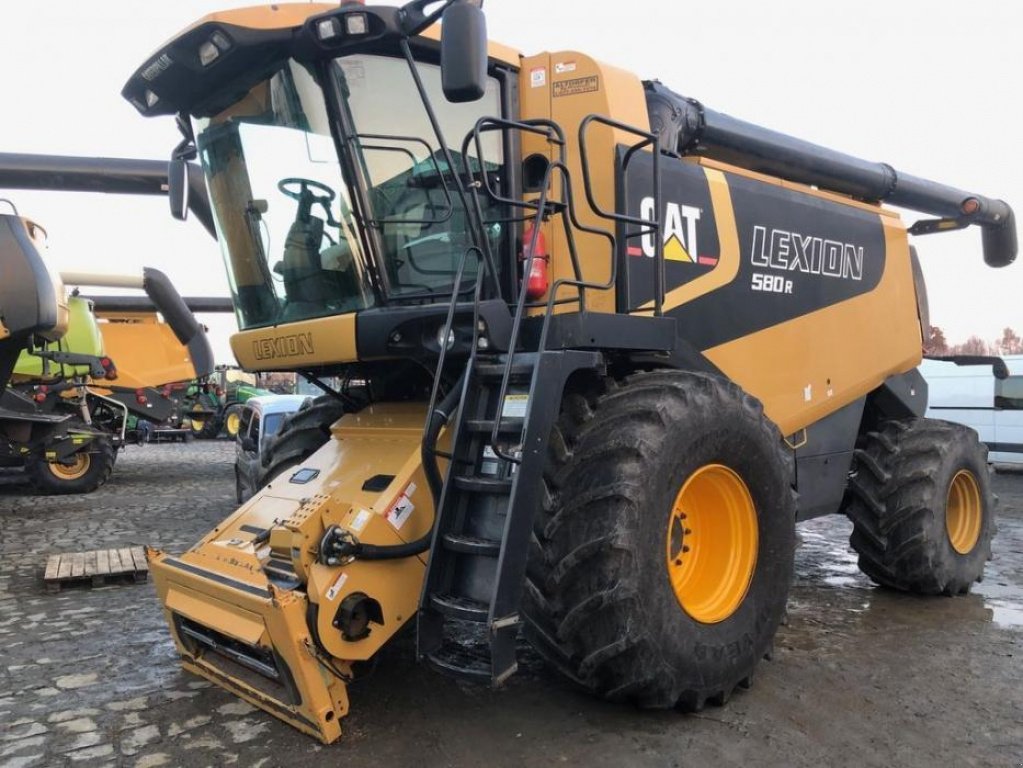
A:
(1009, 393)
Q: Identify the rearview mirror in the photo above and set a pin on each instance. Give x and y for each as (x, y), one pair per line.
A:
(177, 188)
(463, 53)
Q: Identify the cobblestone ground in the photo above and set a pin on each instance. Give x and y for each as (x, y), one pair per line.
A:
(860, 675)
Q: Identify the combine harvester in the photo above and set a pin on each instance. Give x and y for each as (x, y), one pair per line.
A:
(153, 343)
(114, 363)
(588, 331)
(62, 452)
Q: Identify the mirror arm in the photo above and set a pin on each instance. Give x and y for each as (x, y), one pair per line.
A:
(414, 21)
(185, 150)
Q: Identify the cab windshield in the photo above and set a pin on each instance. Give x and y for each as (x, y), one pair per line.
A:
(296, 247)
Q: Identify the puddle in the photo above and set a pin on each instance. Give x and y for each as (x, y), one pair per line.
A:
(1004, 601)
(828, 578)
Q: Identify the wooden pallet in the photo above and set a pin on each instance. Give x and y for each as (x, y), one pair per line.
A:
(96, 567)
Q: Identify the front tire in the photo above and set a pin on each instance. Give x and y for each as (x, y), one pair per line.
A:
(301, 434)
(608, 600)
(88, 471)
(921, 505)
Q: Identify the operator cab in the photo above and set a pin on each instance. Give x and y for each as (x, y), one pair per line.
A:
(321, 208)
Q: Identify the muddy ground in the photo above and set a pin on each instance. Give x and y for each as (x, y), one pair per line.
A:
(861, 676)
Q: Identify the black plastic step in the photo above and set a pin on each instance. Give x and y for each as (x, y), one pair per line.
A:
(470, 662)
(494, 371)
(460, 607)
(472, 545)
(510, 425)
(483, 485)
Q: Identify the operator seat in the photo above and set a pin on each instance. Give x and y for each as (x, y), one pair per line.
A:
(32, 297)
(304, 281)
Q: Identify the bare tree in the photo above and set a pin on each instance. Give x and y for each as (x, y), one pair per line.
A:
(1010, 343)
(972, 346)
(937, 345)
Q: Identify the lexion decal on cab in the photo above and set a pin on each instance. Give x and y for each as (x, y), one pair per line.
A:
(680, 233)
(786, 251)
(295, 345)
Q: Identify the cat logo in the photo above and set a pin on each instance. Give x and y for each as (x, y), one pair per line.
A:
(680, 233)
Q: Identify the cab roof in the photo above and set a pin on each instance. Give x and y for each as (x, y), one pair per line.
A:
(217, 59)
(270, 404)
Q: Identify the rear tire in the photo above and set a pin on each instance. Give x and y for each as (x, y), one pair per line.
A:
(599, 602)
(921, 505)
(92, 469)
(302, 434)
(205, 426)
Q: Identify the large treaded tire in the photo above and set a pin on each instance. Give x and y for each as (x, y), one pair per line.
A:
(300, 436)
(897, 503)
(230, 421)
(598, 604)
(211, 426)
(101, 463)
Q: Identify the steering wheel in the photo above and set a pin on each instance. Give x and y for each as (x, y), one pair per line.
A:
(304, 185)
(307, 199)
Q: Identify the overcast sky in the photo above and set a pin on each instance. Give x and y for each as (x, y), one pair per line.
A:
(929, 86)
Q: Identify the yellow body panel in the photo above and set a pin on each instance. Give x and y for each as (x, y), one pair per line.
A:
(321, 341)
(145, 350)
(799, 379)
(566, 86)
(220, 584)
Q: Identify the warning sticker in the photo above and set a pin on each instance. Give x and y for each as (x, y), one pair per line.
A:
(402, 509)
(576, 86)
(538, 77)
(515, 406)
(564, 66)
(336, 586)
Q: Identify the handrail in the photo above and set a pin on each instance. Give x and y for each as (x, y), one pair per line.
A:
(542, 207)
(646, 225)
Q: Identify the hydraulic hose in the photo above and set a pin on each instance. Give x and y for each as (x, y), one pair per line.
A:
(340, 544)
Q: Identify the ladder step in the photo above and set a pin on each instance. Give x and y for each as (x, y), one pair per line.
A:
(460, 607)
(472, 545)
(495, 371)
(509, 425)
(483, 485)
(470, 662)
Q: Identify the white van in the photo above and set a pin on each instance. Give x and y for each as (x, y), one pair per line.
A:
(972, 395)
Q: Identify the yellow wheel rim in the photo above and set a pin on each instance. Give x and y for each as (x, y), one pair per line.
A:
(232, 424)
(963, 512)
(72, 471)
(712, 543)
(198, 422)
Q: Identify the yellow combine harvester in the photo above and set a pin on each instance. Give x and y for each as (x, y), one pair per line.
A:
(603, 347)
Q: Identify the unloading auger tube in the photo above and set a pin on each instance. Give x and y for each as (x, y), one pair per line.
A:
(163, 297)
(687, 127)
(113, 175)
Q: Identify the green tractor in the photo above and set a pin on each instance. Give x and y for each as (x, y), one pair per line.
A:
(214, 404)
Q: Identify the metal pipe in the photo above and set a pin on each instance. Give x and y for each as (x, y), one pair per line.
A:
(102, 280)
(687, 127)
(115, 175)
(145, 304)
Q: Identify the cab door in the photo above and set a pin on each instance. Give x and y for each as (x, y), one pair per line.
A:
(1008, 443)
(246, 447)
